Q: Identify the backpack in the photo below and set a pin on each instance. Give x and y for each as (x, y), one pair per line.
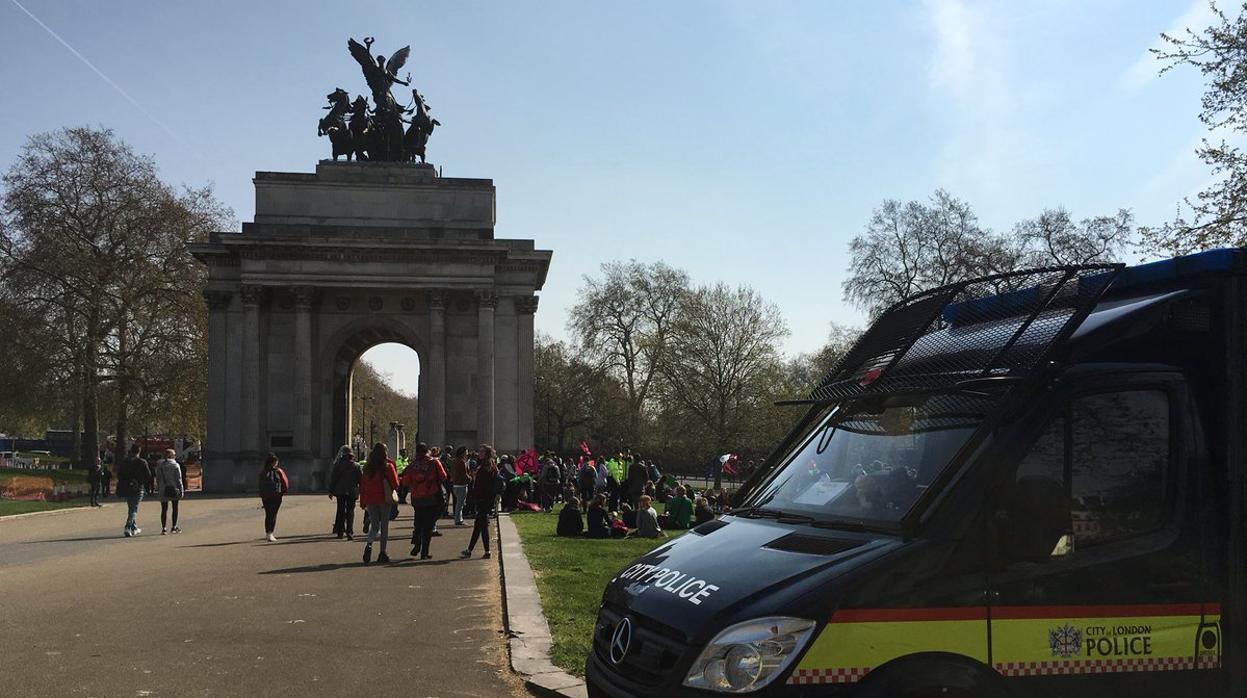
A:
(271, 482)
(552, 474)
(588, 477)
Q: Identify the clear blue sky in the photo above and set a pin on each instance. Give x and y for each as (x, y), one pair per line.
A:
(741, 141)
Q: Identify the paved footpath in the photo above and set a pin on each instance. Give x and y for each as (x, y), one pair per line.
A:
(215, 611)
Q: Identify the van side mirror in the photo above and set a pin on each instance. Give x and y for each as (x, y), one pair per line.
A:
(1038, 521)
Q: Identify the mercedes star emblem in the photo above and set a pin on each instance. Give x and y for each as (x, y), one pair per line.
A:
(620, 640)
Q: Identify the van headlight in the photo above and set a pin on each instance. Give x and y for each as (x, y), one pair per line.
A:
(748, 656)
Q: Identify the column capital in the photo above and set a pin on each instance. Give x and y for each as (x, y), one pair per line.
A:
(526, 305)
(304, 296)
(487, 299)
(252, 294)
(217, 299)
(437, 299)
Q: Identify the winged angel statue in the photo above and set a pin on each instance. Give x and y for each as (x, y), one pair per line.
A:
(377, 134)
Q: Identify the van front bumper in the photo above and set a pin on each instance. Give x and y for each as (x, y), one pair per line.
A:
(604, 683)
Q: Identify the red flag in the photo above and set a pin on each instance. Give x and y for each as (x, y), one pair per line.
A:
(729, 465)
(526, 462)
(585, 447)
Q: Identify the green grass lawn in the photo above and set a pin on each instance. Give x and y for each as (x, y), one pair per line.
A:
(571, 574)
(9, 507)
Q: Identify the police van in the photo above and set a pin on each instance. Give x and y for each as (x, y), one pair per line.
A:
(1029, 484)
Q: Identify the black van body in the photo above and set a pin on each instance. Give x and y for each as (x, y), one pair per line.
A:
(1026, 485)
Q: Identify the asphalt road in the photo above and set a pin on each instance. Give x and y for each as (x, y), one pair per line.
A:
(216, 611)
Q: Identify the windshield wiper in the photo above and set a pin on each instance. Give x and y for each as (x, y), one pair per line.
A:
(782, 516)
(841, 524)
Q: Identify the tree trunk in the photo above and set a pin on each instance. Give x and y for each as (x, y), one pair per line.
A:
(76, 419)
(90, 385)
(123, 388)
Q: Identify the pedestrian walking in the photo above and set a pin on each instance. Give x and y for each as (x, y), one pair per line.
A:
(551, 484)
(344, 487)
(133, 477)
(169, 486)
(425, 478)
(94, 476)
(273, 486)
(482, 495)
(378, 494)
(459, 481)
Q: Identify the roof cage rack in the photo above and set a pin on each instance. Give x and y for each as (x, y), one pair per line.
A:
(1000, 325)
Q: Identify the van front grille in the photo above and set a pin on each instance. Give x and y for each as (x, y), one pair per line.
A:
(653, 654)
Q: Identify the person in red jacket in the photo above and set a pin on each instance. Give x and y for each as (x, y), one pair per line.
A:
(425, 479)
(377, 494)
(273, 486)
(481, 494)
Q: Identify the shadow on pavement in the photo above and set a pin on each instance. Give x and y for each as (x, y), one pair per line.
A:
(331, 566)
(327, 567)
(117, 536)
(260, 542)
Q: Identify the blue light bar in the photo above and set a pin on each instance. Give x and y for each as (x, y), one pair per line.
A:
(1218, 261)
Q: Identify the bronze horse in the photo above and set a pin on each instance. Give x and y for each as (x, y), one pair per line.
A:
(334, 124)
(421, 128)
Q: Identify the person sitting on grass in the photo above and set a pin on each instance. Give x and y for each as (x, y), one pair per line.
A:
(628, 515)
(647, 520)
(679, 510)
(570, 524)
(702, 511)
(599, 518)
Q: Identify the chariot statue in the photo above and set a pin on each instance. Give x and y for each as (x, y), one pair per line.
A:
(377, 133)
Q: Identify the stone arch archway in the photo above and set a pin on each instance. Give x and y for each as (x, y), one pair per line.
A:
(353, 341)
(354, 255)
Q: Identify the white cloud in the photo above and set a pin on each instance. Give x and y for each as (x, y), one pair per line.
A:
(986, 139)
(954, 67)
(1145, 67)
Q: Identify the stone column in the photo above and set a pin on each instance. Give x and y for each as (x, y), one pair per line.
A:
(251, 298)
(218, 373)
(486, 302)
(303, 297)
(433, 432)
(525, 307)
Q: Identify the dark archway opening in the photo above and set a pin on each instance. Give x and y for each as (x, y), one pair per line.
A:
(376, 377)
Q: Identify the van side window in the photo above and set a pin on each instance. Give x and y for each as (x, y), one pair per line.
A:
(1120, 456)
(1110, 453)
(1046, 458)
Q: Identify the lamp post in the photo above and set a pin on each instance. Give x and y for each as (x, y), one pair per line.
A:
(363, 417)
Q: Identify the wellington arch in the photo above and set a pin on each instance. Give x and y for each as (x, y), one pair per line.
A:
(335, 262)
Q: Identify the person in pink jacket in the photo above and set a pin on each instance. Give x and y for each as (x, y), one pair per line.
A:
(377, 489)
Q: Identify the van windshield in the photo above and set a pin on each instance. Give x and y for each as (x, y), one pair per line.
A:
(872, 463)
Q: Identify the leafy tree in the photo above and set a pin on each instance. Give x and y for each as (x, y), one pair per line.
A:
(1054, 238)
(623, 322)
(575, 399)
(95, 243)
(384, 404)
(909, 248)
(1218, 215)
(721, 361)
